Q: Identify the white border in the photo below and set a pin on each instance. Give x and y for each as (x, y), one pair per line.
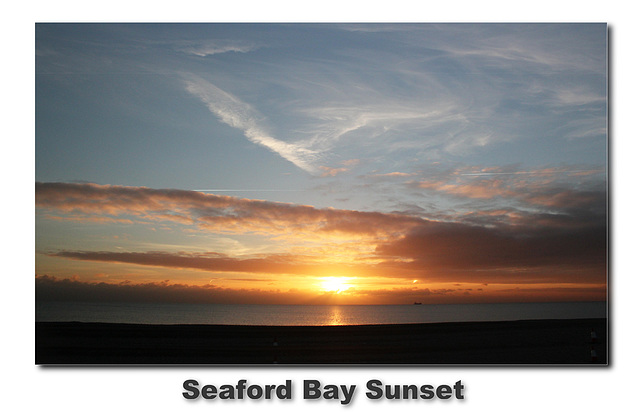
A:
(30, 387)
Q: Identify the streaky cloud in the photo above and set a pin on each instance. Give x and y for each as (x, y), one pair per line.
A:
(217, 213)
(210, 48)
(240, 115)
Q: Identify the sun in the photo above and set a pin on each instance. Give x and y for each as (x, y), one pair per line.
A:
(335, 284)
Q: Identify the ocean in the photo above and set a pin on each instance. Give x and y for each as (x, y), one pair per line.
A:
(311, 315)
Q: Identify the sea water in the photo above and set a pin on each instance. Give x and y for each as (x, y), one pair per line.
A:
(310, 315)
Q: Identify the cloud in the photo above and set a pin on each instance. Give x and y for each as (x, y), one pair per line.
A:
(50, 288)
(240, 115)
(481, 189)
(346, 166)
(536, 47)
(211, 262)
(211, 47)
(392, 174)
(332, 171)
(557, 188)
(212, 212)
(560, 253)
(375, 120)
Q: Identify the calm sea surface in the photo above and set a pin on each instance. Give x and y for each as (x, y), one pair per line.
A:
(284, 315)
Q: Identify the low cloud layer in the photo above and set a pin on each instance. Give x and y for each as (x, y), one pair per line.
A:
(49, 288)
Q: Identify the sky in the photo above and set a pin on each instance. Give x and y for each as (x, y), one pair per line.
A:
(321, 163)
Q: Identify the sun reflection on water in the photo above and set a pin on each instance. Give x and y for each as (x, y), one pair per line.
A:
(336, 317)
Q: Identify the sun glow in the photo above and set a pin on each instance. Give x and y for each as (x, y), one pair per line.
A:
(335, 284)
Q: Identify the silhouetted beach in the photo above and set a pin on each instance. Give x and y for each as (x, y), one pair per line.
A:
(531, 342)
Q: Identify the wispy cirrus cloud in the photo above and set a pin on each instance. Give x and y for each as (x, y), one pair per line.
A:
(466, 91)
(212, 47)
(240, 115)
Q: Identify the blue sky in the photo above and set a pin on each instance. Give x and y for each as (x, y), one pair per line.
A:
(493, 126)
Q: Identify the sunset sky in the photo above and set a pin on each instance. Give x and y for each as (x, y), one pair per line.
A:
(321, 163)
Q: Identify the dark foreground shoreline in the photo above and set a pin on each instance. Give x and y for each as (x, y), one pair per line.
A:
(530, 342)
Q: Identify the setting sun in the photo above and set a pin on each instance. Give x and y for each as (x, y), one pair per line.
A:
(335, 284)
